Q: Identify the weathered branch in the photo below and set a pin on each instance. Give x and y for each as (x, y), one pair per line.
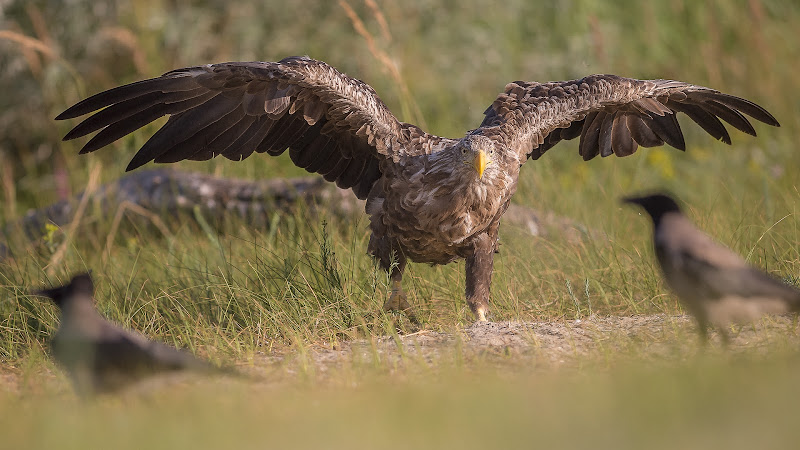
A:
(165, 194)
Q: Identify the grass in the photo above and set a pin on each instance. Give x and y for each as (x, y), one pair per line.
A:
(304, 283)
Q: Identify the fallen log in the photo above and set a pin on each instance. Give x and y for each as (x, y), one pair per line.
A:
(165, 194)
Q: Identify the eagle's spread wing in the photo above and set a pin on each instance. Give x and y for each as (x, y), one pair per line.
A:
(611, 114)
(333, 124)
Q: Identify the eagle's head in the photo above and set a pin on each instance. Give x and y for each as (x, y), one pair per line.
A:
(478, 153)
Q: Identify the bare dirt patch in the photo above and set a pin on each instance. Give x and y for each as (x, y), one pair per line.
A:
(505, 346)
(552, 345)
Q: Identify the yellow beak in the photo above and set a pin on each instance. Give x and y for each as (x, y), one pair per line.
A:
(479, 163)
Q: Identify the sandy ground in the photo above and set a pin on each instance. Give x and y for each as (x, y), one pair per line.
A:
(573, 344)
(531, 346)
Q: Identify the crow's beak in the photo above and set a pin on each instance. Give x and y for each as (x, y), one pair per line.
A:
(631, 200)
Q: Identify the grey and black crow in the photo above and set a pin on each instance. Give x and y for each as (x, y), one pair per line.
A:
(714, 284)
(101, 356)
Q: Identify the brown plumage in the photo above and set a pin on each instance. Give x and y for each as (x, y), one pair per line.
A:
(430, 199)
(715, 284)
(101, 356)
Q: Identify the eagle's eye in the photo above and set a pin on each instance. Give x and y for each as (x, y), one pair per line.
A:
(491, 151)
(463, 150)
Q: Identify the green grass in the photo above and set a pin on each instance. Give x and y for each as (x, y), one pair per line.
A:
(304, 282)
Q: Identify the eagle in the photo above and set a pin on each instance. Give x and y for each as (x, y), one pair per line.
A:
(430, 199)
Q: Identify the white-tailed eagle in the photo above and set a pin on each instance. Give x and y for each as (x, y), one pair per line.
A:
(430, 199)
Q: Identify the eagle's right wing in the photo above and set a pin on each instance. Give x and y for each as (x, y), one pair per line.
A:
(333, 124)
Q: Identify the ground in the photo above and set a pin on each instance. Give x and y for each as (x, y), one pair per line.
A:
(541, 346)
(599, 382)
(550, 345)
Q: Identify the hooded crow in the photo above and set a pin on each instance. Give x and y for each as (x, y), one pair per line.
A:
(100, 356)
(715, 284)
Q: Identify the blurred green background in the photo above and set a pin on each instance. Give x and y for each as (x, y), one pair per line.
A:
(452, 60)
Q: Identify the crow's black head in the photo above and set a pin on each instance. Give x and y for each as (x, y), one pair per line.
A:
(655, 204)
(81, 284)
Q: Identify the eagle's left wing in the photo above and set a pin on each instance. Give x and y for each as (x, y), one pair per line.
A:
(611, 114)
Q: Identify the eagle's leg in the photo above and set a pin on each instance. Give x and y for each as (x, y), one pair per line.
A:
(395, 264)
(398, 301)
(480, 264)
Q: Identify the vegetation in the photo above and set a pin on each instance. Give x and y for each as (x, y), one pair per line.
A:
(305, 281)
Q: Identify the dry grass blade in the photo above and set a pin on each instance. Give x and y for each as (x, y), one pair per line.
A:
(29, 43)
(9, 189)
(29, 47)
(91, 186)
(409, 106)
(133, 207)
(130, 41)
(39, 24)
(376, 11)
